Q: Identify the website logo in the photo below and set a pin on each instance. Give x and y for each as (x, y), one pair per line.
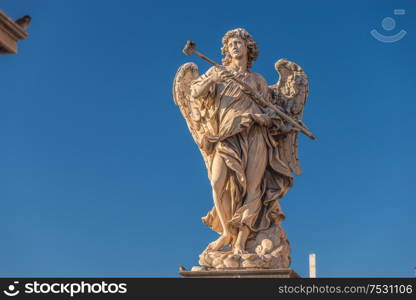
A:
(389, 24)
(11, 289)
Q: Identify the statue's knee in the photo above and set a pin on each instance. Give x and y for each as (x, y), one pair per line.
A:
(217, 182)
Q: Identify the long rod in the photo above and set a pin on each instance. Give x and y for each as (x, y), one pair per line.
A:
(247, 89)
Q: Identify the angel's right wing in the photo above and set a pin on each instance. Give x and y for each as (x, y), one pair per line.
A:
(191, 110)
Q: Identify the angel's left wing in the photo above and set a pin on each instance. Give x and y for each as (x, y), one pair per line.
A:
(290, 93)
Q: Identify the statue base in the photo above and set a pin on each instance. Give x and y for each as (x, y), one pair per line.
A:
(241, 273)
(268, 249)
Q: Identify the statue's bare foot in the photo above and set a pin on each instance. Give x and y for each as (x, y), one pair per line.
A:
(222, 241)
(240, 244)
(239, 251)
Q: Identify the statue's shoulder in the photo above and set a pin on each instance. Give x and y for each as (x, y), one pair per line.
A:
(210, 70)
(259, 78)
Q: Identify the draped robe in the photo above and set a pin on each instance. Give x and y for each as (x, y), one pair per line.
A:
(238, 129)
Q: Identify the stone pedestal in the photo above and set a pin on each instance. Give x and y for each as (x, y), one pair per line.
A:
(241, 273)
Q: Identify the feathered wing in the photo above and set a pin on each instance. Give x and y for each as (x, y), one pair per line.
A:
(190, 109)
(290, 93)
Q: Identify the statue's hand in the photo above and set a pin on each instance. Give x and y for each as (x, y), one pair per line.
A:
(220, 74)
(271, 113)
(262, 120)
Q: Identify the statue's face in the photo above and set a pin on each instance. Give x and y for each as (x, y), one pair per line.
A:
(237, 48)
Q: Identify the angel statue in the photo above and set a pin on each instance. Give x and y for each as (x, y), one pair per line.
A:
(250, 151)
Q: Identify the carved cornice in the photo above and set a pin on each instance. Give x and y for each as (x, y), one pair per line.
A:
(10, 34)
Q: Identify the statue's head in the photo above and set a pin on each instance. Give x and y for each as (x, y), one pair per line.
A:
(237, 43)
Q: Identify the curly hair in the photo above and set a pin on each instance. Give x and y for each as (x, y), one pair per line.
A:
(252, 50)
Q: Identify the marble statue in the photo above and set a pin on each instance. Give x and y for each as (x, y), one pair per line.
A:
(247, 132)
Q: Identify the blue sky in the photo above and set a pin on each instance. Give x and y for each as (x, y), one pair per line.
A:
(100, 176)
